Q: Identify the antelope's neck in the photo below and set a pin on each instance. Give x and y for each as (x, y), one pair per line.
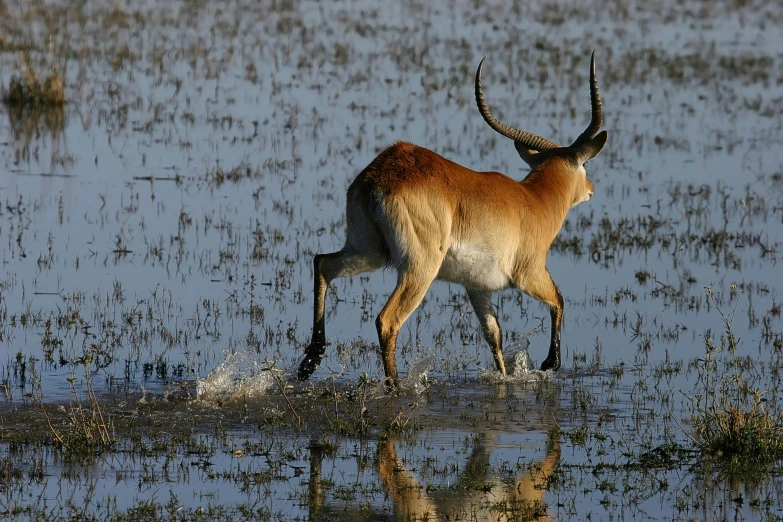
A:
(552, 189)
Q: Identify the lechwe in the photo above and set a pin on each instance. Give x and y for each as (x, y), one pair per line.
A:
(430, 218)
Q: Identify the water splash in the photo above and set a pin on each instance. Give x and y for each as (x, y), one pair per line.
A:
(241, 375)
(416, 380)
(519, 366)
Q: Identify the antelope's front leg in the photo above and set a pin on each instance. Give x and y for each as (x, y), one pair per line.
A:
(552, 361)
(544, 289)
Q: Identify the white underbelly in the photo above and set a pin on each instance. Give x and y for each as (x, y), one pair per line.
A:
(473, 267)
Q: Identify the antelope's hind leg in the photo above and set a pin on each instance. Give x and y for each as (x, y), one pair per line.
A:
(482, 305)
(327, 267)
(412, 284)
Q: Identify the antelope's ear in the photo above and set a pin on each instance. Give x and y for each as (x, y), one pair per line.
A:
(532, 157)
(591, 149)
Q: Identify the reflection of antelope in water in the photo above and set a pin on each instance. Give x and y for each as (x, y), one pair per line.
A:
(485, 498)
(482, 497)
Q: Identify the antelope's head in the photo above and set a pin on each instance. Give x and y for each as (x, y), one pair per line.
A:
(535, 150)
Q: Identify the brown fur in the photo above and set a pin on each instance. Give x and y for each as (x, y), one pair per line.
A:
(475, 201)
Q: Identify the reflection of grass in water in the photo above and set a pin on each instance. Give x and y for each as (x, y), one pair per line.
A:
(25, 120)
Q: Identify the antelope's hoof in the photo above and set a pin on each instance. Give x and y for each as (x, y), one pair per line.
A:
(551, 363)
(391, 384)
(313, 355)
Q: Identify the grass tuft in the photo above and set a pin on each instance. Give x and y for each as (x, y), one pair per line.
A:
(27, 90)
(733, 418)
(85, 428)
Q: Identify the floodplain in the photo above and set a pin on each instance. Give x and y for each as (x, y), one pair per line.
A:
(168, 170)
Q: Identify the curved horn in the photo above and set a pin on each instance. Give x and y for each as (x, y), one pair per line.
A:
(529, 140)
(597, 118)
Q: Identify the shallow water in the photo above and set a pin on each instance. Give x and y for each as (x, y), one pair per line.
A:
(160, 229)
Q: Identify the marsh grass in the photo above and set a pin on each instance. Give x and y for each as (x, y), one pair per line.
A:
(27, 90)
(86, 428)
(733, 418)
(367, 408)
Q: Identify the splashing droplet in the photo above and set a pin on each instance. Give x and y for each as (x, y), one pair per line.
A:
(416, 380)
(241, 375)
(519, 366)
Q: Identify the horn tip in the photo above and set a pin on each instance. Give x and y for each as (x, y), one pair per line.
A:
(478, 70)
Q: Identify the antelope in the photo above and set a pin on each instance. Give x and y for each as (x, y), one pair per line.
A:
(430, 218)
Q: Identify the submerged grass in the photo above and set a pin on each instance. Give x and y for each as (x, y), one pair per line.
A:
(733, 418)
